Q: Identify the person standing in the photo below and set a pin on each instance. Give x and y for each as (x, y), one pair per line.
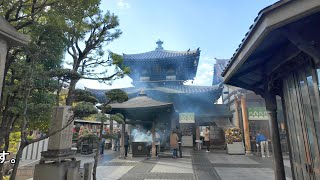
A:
(126, 143)
(103, 142)
(207, 138)
(262, 140)
(174, 143)
(179, 133)
(117, 143)
(149, 144)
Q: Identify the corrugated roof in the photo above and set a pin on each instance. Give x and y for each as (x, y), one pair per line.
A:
(251, 28)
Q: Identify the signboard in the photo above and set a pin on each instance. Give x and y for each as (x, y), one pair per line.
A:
(258, 113)
(186, 118)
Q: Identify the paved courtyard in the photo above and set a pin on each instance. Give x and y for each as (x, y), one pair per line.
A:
(195, 165)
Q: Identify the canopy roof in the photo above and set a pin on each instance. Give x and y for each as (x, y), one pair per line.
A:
(141, 108)
(281, 31)
(141, 102)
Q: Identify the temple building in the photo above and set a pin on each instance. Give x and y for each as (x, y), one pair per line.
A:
(161, 75)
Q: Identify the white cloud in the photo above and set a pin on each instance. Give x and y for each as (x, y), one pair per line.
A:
(122, 4)
(204, 74)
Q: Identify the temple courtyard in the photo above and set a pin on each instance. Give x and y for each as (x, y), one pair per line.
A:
(197, 165)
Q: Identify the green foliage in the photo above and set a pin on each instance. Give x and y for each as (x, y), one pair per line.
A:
(84, 109)
(90, 136)
(117, 95)
(102, 118)
(82, 95)
(40, 110)
(15, 138)
(118, 118)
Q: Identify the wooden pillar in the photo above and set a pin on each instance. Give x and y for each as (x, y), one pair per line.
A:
(271, 106)
(288, 134)
(245, 125)
(237, 120)
(153, 140)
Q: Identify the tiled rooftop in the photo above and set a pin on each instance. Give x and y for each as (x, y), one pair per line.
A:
(160, 53)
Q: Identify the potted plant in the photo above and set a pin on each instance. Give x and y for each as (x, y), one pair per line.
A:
(87, 141)
(234, 141)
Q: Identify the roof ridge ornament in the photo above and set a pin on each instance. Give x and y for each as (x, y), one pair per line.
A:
(142, 93)
(159, 43)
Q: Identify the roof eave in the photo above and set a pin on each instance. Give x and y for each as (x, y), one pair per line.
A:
(269, 20)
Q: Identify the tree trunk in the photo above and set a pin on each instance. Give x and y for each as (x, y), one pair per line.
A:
(94, 171)
(72, 87)
(18, 157)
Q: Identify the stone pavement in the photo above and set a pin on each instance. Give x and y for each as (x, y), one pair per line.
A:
(195, 165)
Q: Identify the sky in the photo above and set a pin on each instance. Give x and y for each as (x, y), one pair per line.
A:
(215, 26)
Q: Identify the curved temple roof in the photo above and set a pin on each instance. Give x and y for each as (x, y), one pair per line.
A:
(160, 53)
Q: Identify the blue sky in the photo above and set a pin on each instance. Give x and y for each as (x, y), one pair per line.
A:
(217, 27)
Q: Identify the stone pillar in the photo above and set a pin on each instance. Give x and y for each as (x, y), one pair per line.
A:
(59, 150)
(3, 55)
(198, 136)
(123, 132)
(271, 106)
(62, 140)
(153, 140)
(237, 120)
(245, 125)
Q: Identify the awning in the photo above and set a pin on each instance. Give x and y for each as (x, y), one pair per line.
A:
(280, 32)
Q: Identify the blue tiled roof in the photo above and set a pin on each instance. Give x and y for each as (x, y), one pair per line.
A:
(179, 89)
(160, 54)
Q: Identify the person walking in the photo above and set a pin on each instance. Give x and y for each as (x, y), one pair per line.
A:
(179, 133)
(126, 144)
(174, 143)
(262, 140)
(207, 138)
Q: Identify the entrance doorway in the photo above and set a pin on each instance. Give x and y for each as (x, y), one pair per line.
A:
(302, 104)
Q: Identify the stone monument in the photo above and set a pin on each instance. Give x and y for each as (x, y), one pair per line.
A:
(59, 163)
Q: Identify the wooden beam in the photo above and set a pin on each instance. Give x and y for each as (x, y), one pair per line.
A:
(250, 69)
(283, 56)
(303, 44)
(247, 87)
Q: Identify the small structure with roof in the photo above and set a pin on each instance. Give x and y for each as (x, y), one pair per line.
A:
(280, 56)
